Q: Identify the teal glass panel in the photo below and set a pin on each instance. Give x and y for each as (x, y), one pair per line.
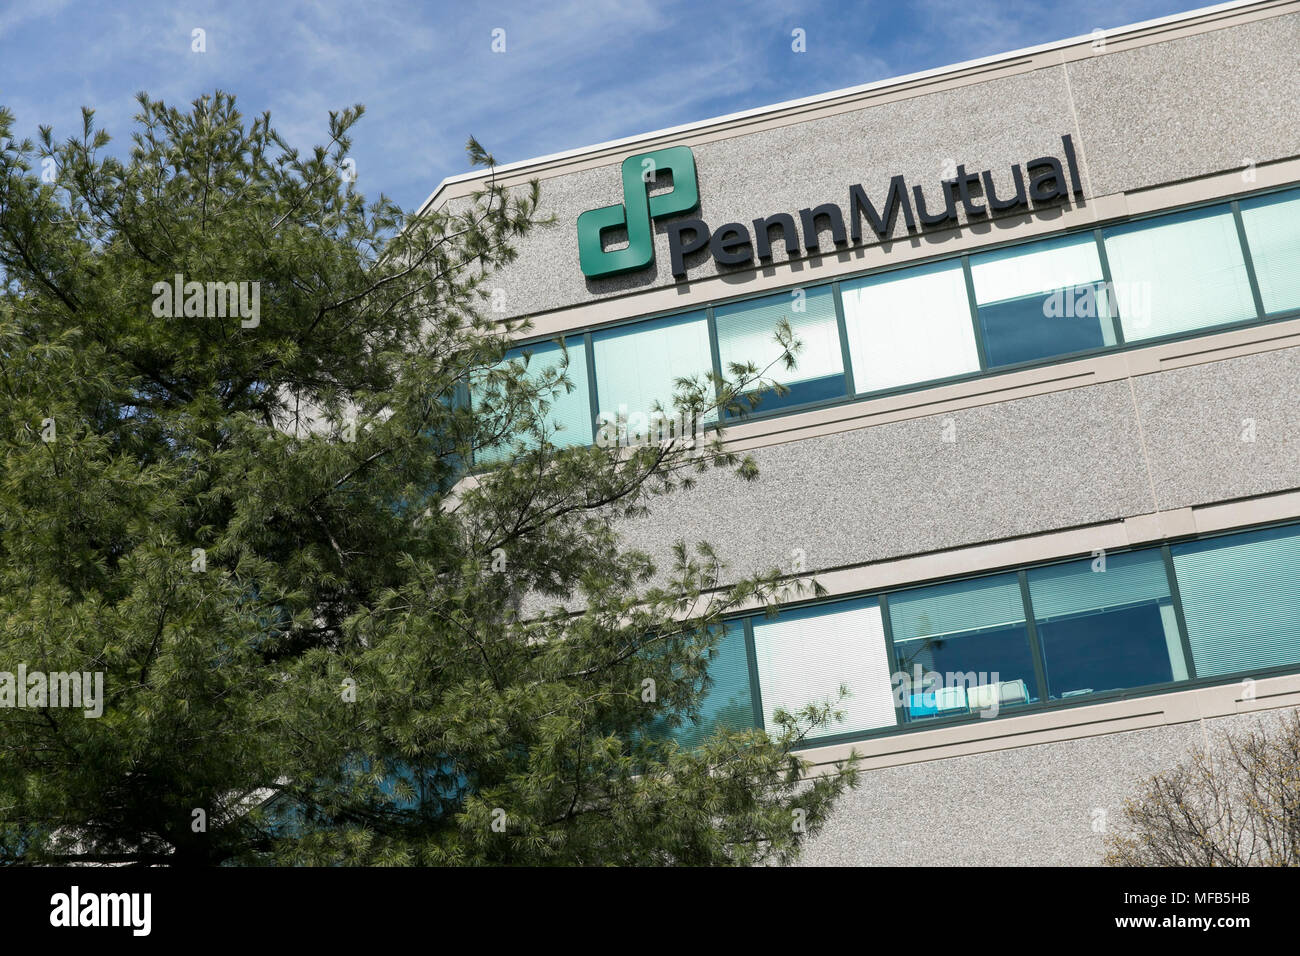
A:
(1272, 226)
(1241, 599)
(1106, 624)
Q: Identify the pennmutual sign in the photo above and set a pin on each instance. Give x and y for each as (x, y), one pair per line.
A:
(1042, 181)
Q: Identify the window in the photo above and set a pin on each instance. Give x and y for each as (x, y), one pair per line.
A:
(1241, 599)
(805, 655)
(910, 326)
(1178, 273)
(963, 647)
(747, 330)
(727, 702)
(1273, 234)
(568, 413)
(1106, 629)
(638, 366)
(1042, 299)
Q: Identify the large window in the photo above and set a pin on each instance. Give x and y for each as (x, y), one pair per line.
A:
(908, 327)
(1179, 273)
(1106, 623)
(1241, 598)
(747, 333)
(1273, 233)
(962, 647)
(984, 646)
(805, 655)
(1042, 299)
(565, 414)
(727, 702)
(637, 367)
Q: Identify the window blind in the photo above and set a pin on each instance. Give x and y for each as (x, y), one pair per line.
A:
(1272, 226)
(909, 327)
(727, 703)
(804, 656)
(956, 607)
(1241, 599)
(638, 365)
(1178, 273)
(747, 330)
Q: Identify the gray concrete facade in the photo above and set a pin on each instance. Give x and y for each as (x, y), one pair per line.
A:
(1187, 110)
(1047, 805)
(1071, 458)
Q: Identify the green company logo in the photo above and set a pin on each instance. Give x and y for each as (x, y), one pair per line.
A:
(637, 211)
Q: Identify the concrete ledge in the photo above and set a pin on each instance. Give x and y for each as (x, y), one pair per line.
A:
(1071, 723)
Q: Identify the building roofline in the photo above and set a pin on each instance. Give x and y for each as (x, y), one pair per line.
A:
(875, 86)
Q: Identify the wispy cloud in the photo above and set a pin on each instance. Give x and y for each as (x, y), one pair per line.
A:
(572, 72)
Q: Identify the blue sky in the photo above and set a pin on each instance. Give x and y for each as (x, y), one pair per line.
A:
(573, 72)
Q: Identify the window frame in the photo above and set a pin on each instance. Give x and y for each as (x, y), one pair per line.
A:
(1231, 202)
(1162, 549)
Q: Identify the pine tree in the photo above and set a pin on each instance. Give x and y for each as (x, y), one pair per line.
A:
(324, 638)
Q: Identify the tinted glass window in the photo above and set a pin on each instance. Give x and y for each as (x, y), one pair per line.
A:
(909, 326)
(1040, 300)
(747, 330)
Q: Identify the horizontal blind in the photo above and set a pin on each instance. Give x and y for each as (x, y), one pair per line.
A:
(747, 331)
(909, 327)
(638, 365)
(1178, 273)
(569, 411)
(1241, 599)
(1042, 267)
(1273, 233)
(804, 656)
(956, 606)
(1073, 588)
(727, 703)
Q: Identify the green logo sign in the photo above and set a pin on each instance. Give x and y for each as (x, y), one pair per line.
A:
(636, 212)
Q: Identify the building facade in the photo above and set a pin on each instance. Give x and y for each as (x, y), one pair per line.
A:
(1042, 443)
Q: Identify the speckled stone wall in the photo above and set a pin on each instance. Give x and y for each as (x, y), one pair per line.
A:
(1195, 421)
(1037, 464)
(1044, 805)
(1189, 107)
(1157, 114)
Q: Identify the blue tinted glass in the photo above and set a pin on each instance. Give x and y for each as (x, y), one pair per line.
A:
(638, 365)
(1042, 299)
(962, 647)
(1178, 273)
(800, 393)
(747, 334)
(1018, 330)
(1272, 225)
(1106, 624)
(565, 414)
(1105, 650)
(1241, 599)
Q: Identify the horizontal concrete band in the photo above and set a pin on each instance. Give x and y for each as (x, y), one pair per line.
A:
(1136, 531)
(1070, 723)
